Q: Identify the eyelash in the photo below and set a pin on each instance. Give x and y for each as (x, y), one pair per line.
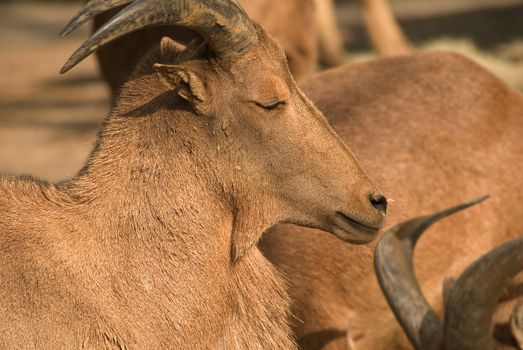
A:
(270, 106)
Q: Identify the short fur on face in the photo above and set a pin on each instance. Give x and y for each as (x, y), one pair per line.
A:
(154, 240)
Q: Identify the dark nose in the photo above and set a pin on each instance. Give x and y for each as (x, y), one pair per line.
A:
(379, 202)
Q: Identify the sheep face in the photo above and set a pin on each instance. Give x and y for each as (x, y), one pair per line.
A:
(278, 157)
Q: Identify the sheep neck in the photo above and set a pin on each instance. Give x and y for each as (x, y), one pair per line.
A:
(167, 236)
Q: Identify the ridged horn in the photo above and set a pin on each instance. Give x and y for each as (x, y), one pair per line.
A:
(91, 10)
(474, 297)
(222, 23)
(395, 271)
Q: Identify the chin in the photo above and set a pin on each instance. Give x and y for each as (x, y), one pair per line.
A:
(356, 236)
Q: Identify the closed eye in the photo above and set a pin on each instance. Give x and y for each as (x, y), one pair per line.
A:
(270, 105)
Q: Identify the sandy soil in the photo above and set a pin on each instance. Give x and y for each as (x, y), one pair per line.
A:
(48, 122)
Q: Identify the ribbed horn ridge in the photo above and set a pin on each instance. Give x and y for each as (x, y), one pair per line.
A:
(91, 10)
(473, 299)
(222, 23)
(395, 271)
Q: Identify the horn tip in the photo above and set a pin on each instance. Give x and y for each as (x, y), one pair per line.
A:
(70, 27)
(84, 51)
(460, 207)
(479, 199)
(67, 66)
(65, 32)
(80, 18)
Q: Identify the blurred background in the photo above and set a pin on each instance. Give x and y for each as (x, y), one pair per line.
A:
(48, 122)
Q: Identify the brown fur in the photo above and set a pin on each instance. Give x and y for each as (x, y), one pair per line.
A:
(432, 130)
(306, 29)
(293, 25)
(153, 244)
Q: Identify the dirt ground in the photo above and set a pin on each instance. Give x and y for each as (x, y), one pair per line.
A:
(48, 122)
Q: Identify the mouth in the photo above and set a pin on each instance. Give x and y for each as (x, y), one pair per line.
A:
(354, 231)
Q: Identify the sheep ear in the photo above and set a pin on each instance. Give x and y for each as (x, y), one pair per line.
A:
(168, 47)
(186, 83)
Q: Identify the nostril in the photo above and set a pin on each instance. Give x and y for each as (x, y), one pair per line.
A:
(379, 202)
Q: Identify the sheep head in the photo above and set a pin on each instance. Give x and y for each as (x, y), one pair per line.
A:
(272, 151)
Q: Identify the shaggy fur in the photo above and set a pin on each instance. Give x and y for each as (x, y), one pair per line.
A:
(296, 24)
(307, 30)
(153, 244)
(432, 130)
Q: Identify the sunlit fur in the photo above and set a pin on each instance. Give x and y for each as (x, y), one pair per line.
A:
(298, 27)
(152, 245)
(432, 130)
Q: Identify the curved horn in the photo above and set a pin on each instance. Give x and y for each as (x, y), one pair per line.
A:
(91, 10)
(472, 301)
(222, 23)
(395, 271)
